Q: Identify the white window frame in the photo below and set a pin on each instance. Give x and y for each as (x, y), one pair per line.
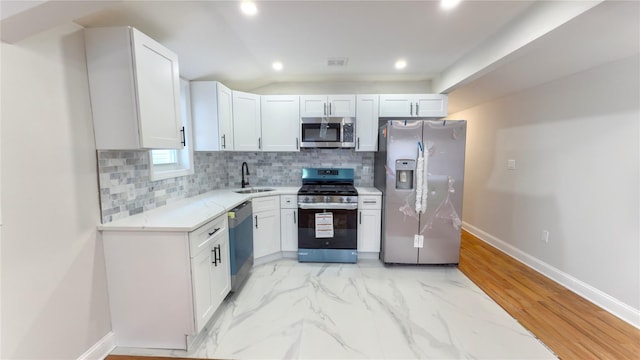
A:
(184, 164)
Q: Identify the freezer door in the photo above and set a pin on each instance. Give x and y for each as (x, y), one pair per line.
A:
(400, 219)
(440, 224)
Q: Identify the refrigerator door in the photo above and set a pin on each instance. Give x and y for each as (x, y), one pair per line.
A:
(441, 223)
(400, 219)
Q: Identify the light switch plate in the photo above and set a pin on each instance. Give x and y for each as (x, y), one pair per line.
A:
(511, 164)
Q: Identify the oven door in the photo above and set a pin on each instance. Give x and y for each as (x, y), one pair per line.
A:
(328, 228)
(318, 134)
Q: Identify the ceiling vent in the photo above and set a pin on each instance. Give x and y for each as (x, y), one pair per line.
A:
(337, 61)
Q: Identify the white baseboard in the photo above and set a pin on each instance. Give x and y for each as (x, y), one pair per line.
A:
(101, 349)
(603, 300)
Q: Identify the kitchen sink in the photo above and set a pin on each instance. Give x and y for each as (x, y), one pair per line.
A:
(251, 191)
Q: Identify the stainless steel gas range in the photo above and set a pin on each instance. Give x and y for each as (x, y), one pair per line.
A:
(327, 216)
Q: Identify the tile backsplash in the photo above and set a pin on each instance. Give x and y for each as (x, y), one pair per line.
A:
(284, 169)
(125, 187)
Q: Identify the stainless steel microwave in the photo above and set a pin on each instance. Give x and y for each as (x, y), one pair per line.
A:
(328, 132)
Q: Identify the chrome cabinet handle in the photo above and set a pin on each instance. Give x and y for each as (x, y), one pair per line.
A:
(325, 108)
(184, 137)
(294, 216)
(259, 143)
(330, 109)
(360, 219)
(358, 142)
(224, 141)
(417, 109)
(256, 221)
(411, 109)
(297, 144)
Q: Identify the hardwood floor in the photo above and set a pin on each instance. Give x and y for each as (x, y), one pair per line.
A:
(569, 325)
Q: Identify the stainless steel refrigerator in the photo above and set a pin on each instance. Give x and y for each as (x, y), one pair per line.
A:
(419, 167)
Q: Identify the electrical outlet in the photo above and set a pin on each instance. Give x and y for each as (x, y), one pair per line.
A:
(511, 164)
(545, 236)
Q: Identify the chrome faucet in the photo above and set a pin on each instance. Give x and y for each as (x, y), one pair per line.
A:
(242, 171)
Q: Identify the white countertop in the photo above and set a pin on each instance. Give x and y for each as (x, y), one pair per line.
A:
(189, 214)
(368, 191)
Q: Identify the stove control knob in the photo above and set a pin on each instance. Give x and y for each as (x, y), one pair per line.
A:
(306, 199)
(327, 198)
(347, 199)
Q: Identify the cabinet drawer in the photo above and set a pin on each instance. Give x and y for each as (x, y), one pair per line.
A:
(288, 201)
(369, 202)
(265, 203)
(203, 236)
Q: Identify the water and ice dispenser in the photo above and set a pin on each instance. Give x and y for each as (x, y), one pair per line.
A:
(405, 169)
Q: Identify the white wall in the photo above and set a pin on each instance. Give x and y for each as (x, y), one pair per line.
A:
(347, 87)
(54, 300)
(576, 143)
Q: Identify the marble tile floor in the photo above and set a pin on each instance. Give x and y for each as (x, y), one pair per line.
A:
(291, 310)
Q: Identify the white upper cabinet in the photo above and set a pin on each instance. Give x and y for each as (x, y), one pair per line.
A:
(367, 123)
(246, 122)
(413, 105)
(212, 113)
(135, 90)
(327, 105)
(280, 122)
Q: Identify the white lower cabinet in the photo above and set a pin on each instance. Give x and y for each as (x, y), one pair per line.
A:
(165, 286)
(289, 222)
(266, 226)
(369, 223)
(210, 270)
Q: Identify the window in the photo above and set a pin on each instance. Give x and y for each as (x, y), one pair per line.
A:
(164, 157)
(167, 164)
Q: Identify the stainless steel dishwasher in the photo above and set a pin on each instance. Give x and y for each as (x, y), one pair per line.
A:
(240, 243)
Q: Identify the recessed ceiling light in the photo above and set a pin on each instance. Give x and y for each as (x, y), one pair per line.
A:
(249, 8)
(401, 64)
(449, 4)
(277, 66)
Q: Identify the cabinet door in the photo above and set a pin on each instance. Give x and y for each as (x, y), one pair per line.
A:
(211, 111)
(369, 230)
(266, 233)
(220, 271)
(367, 123)
(202, 278)
(342, 105)
(396, 105)
(225, 117)
(313, 106)
(246, 121)
(158, 91)
(280, 123)
(431, 105)
(289, 229)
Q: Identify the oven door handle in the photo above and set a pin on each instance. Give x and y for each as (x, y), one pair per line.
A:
(328, 206)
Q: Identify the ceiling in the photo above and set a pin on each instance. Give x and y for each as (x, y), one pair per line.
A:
(477, 52)
(215, 41)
